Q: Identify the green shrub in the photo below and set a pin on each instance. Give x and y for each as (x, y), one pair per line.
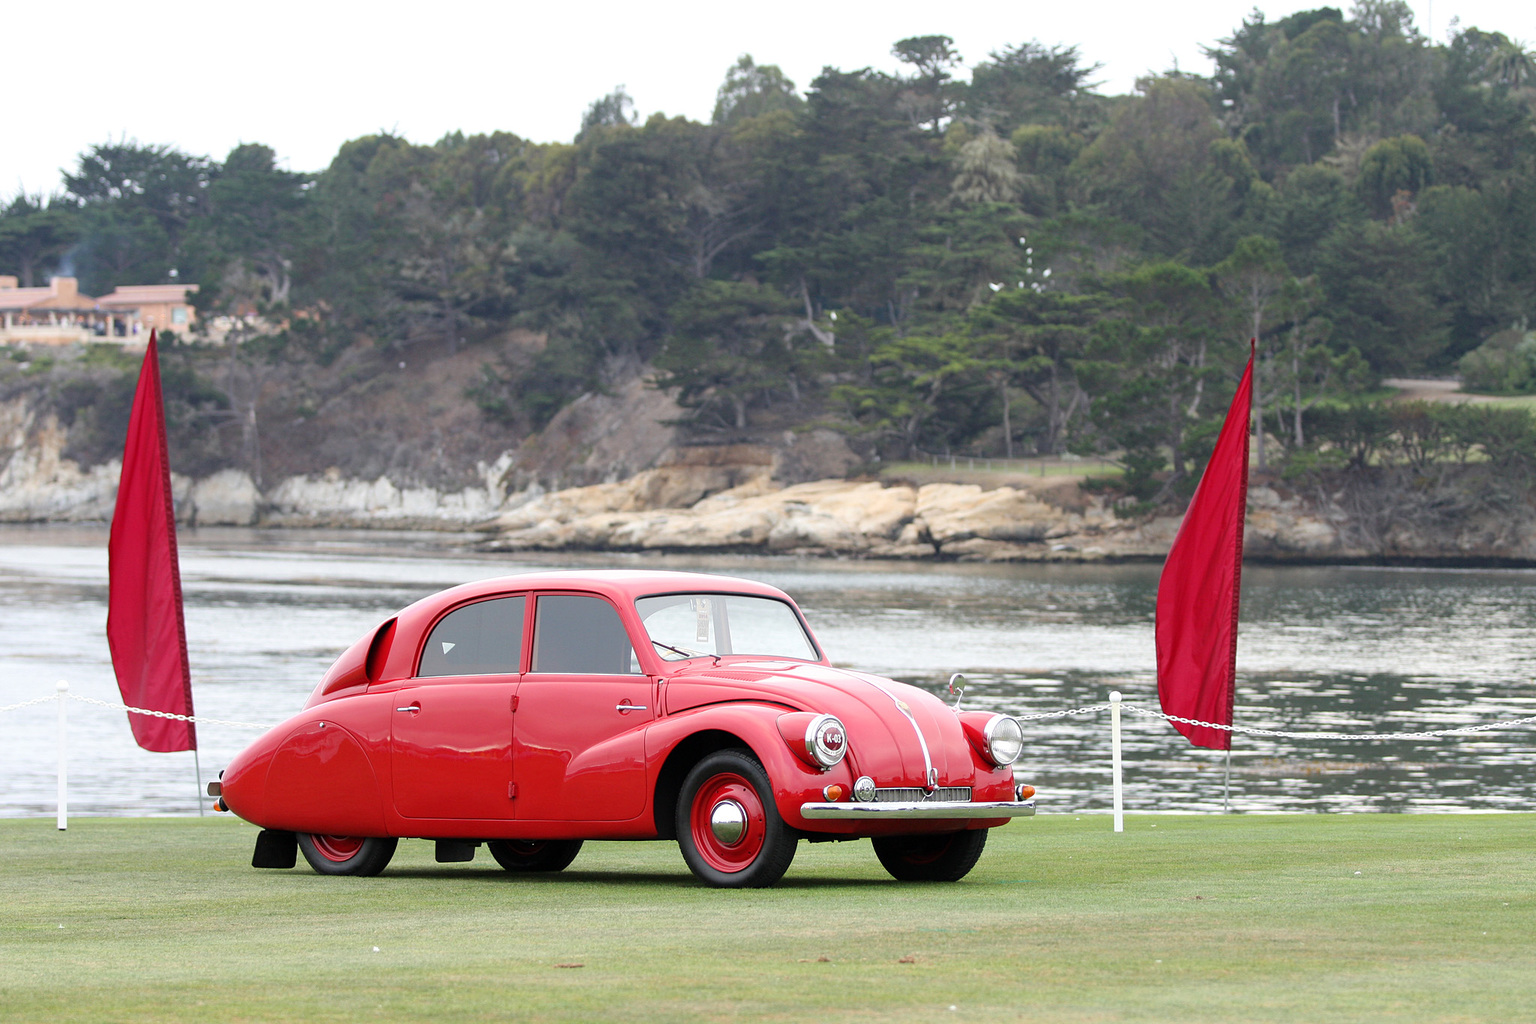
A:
(1504, 364)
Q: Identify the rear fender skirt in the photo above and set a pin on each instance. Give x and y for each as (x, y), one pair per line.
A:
(322, 781)
(306, 776)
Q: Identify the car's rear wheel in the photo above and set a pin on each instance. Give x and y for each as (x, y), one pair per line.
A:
(534, 854)
(346, 855)
(727, 825)
(947, 857)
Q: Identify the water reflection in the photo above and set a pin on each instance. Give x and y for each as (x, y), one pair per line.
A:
(1347, 649)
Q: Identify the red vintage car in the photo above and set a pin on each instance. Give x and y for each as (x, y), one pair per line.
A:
(532, 712)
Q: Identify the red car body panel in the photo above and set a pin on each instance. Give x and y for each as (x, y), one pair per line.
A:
(381, 751)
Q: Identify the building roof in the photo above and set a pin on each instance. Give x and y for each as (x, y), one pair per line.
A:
(142, 294)
(61, 293)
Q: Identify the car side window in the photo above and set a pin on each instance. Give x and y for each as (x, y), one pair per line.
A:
(580, 635)
(484, 638)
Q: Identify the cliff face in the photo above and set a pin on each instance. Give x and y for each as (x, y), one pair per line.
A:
(745, 498)
(36, 482)
(874, 520)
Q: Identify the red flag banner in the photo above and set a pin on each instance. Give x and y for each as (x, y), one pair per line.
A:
(1197, 594)
(145, 628)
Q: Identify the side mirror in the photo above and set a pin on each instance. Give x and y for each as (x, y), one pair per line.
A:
(957, 688)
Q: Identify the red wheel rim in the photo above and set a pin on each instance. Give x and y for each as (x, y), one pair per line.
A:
(730, 857)
(337, 848)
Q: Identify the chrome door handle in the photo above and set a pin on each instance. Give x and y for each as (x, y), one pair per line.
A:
(629, 707)
(412, 707)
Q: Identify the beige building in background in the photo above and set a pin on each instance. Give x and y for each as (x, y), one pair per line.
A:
(162, 307)
(60, 315)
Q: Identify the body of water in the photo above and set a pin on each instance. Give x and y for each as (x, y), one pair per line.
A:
(1320, 648)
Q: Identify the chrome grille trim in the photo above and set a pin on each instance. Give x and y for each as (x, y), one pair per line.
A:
(930, 809)
(916, 794)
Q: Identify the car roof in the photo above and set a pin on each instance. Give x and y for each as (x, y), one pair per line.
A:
(619, 585)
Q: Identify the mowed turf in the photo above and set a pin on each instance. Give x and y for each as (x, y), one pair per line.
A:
(1188, 918)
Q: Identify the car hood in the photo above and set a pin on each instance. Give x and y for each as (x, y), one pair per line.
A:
(895, 731)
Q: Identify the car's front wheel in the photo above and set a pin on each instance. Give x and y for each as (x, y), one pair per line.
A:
(534, 854)
(727, 825)
(346, 855)
(947, 857)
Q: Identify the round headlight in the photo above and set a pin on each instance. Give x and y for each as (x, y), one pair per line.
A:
(826, 741)
(1005, 740)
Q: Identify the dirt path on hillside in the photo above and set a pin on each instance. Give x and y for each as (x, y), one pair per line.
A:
(1411, 389)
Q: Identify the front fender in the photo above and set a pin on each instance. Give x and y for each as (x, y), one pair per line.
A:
(756, 725)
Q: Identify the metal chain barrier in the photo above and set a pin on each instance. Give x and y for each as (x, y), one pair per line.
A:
(197, 719)
(166, 714)
(29, 703)
(1428, 734)
(1114, 707)
(1137, 709)
(1117, 704)
(1090, 709)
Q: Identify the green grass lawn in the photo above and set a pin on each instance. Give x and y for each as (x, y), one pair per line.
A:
(1181, 918)
(1001, 472)
(1526, 402)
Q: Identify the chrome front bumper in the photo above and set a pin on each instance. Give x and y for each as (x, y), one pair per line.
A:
(921, 809)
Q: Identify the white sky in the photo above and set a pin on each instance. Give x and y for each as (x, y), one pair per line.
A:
(305, 77)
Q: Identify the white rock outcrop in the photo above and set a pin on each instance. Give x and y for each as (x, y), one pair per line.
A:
(37, 483)
(333, 500)
(227, 498)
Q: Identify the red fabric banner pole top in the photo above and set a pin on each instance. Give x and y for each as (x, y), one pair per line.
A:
(145, 628)
(1198, 592)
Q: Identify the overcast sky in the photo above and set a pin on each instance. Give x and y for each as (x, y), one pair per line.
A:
(304, 77)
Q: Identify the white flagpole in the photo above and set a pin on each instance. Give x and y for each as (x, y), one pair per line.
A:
(197, 769)
(1114, 743)
(63, 699)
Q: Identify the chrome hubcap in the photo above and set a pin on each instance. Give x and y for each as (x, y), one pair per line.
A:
(728, 821)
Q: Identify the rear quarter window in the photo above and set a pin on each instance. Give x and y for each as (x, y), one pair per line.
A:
(484, 638)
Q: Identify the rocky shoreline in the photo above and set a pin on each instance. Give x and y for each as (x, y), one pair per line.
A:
(732, 499)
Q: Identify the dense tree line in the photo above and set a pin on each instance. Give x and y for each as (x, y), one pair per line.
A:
(998, 261)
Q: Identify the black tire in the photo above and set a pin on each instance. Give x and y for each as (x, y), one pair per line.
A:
(346, 855)
(946, 857)
(762, 851)
(534, 854)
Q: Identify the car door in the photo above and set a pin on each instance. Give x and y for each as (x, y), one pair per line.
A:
(578, 751)
(451, 725)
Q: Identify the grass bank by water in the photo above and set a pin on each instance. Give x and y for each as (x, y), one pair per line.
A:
(1021, 474)
(1244, 918)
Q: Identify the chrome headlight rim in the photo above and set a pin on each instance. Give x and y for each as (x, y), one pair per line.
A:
(826, 740)
(997, 743)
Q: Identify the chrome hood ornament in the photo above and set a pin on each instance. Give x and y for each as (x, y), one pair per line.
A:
(957, 688)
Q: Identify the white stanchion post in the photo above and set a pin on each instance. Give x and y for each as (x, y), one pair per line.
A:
(63, 756)
(1114, 743)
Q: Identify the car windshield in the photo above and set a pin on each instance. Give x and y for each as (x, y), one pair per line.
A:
(700, 625)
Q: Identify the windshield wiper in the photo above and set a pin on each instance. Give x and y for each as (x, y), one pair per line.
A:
(687, 653)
